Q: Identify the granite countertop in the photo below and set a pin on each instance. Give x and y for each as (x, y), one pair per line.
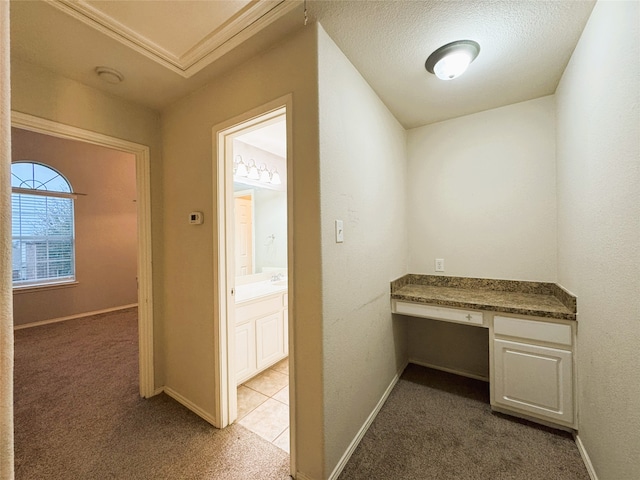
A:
(506, 296)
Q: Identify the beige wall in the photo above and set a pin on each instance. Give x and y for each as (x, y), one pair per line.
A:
(363, 169)
(105, 227)
(599, 231)
(481, 195)
(42, 93)
(6, 304)
(190, 276)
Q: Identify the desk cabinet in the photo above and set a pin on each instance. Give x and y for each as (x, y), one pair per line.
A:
(532, 364)
(530, 360)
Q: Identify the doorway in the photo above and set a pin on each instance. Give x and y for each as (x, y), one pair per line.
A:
(143, 203)
(255, 255)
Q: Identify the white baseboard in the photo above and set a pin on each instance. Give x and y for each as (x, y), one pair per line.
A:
(190, 405)
(585, 457)
(358, 438)
(72, 317)
(449, 370)
(158, 391)
(302, 476)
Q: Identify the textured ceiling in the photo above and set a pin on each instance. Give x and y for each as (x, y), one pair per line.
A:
(525, 46)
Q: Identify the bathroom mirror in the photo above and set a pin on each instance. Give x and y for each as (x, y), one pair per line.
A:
(260, 196)
(260, 230)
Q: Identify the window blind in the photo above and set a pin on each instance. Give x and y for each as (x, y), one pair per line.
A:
(42, 239)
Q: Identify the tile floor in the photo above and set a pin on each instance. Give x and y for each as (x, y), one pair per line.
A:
(263, 404)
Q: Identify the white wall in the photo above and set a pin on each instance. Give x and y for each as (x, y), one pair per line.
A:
(481, 194)
(599, 231)
(362, 163)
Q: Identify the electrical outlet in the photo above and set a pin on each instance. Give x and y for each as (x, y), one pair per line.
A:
(439, 264)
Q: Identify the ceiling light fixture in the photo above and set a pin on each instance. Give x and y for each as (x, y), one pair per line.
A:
(109, 75)
(253, 170)
(250, 171)
(451, 60)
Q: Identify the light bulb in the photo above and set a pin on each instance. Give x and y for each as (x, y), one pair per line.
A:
(275, 178)
(452, 65)
(241, 169)
(253, 170)
(264, 174)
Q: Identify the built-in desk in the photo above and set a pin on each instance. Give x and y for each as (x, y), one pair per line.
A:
(532, 329)
(546, 300)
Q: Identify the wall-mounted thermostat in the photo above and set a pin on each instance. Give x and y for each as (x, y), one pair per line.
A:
(196, 218)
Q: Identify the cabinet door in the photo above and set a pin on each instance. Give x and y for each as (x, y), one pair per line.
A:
(534, 379)
(269, 340)
(245, 351)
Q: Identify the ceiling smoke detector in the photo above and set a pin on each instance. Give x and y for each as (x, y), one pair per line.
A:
(109, 75)
(451, 60)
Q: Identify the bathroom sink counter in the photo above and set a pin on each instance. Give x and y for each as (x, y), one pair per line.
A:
(507, 296)
(252, 291)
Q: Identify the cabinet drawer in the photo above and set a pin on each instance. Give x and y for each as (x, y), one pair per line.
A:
(255, 309)
(534, 330)
(438, 313)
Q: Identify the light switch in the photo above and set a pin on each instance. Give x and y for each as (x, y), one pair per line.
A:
(339, 231)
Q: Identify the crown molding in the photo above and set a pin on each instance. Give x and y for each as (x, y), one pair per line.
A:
(243, 25)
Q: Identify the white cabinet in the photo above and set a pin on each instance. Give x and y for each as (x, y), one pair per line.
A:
(261, 334)
(532, 369)
(470, 317)
(269, 340)
(245, 350)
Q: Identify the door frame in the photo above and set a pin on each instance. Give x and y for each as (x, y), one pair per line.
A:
(222, 137)
(143, 193)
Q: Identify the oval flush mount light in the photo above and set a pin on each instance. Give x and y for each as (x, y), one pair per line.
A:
(109, 75)
(451, 60)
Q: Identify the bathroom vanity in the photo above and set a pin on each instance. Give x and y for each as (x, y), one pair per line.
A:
(532, 337)
(262, 326)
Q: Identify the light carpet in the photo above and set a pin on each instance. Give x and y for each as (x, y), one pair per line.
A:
(78, 414)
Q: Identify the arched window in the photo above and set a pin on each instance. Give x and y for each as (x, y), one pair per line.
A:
(42, 225)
